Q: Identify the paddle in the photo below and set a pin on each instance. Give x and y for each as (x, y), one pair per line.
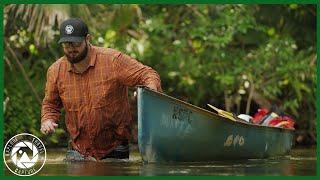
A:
(227, 114)
(223, 113)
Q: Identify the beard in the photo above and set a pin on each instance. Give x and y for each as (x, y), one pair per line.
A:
(73, 58)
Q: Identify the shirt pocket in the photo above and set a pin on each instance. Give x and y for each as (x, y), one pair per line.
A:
(98, 91)
(70, 96)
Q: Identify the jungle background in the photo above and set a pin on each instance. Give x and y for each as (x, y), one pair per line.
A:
(236, 57)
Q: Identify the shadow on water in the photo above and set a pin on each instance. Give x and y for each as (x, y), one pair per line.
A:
(298, 162)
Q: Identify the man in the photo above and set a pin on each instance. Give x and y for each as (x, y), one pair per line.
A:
(91, 83)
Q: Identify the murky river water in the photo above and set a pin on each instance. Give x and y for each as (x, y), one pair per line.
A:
(298, 162)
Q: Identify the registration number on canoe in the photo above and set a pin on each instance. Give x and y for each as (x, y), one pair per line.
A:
(235, 140)
(179, 119)
(181, 114)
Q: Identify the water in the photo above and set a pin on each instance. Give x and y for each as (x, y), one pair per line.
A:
(301, 161)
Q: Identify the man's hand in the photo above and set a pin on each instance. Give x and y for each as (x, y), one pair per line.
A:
(48, 126)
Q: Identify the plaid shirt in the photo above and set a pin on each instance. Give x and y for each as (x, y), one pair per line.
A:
(96, 100)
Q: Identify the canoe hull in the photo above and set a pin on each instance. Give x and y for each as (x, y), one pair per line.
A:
(170, 130)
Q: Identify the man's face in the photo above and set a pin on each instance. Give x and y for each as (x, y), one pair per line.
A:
(75, 52)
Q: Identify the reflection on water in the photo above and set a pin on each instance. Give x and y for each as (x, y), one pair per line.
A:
(299, 162)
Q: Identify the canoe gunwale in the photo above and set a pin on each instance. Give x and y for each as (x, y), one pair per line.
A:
(209, 113)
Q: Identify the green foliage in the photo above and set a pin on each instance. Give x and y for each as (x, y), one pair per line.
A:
(22, 114)
(203, 53)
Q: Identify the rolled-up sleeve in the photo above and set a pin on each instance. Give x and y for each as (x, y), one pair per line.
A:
(51, 105)
(133, 73)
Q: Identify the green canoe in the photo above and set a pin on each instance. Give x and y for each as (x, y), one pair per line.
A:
(171, 130)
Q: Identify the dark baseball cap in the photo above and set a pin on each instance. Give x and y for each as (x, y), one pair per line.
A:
(73, 30)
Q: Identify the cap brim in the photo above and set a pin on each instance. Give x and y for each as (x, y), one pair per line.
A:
(71, 39)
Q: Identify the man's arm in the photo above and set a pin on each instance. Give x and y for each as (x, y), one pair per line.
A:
(133, 73)
(51, 105)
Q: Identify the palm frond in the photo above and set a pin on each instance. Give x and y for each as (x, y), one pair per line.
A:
(38, 19)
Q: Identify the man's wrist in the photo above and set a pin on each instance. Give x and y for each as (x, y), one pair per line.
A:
(45, 120)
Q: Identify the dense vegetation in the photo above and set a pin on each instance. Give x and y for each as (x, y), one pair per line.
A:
(237, 57)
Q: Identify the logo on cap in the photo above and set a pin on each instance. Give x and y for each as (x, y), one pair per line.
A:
(69, 29)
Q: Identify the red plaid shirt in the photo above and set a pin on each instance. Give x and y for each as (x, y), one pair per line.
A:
(96, 101)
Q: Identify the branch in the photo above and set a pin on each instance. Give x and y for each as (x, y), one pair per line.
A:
(313, 60)
(195, 10)
(250, 97)
(5, 104)
(24, 73)
(8, 62)
(260, 100)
